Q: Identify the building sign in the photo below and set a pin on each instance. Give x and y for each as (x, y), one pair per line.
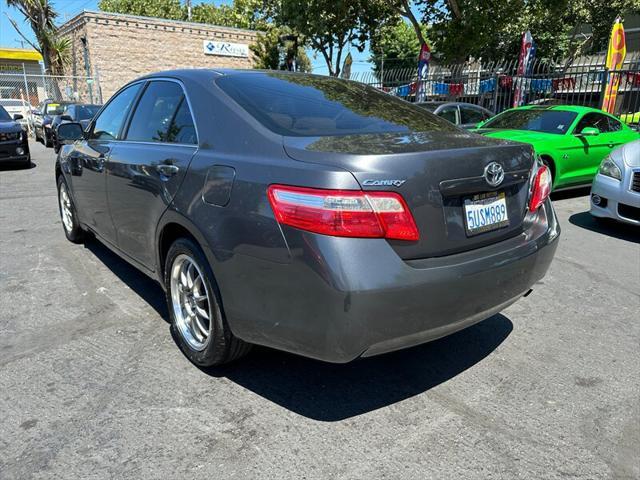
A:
(226, 49)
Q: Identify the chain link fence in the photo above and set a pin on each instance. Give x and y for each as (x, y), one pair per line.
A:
(27, 91)
(494, 85)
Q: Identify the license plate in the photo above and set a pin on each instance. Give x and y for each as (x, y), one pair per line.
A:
(485, 212)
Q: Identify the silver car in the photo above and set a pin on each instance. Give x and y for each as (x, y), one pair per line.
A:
(615, 192)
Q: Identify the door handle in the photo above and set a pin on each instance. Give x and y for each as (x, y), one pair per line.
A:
(167, 170)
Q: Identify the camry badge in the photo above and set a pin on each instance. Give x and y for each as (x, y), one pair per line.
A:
(494, 174)
(383, 183)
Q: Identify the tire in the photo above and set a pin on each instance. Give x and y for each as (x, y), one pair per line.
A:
(47, 140)
(197, 322)
(72, 229)
(27, 164)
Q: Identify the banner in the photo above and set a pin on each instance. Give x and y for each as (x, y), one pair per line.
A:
(423, 70)
(525, 62)
(346, 67)
(615, 58)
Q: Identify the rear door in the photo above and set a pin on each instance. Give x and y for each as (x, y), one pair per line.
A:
(146, 169)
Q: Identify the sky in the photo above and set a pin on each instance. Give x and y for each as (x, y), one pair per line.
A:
(69, 8)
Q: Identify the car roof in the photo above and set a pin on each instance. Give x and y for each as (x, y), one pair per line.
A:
(562, 108)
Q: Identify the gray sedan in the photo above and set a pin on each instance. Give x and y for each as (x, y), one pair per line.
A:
(305, 213)
(615, 192)
(465, 115)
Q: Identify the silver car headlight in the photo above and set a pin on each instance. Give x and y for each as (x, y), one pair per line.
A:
(608, 168)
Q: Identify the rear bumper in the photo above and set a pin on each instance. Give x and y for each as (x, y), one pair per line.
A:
(342, 298)
(617, 194)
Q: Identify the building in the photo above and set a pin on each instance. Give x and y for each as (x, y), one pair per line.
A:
(116, 48)
(14, 64)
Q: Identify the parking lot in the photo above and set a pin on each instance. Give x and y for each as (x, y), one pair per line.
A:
(93, 386)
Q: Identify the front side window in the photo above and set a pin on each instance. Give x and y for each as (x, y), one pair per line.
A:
(4, 115)
(448, 113)
(593, 120)
(535, 120)
(109, 124)
(310, 105)
(162, 115)
(471, 115)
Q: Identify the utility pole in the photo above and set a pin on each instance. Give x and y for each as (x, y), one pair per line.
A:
(188, 2)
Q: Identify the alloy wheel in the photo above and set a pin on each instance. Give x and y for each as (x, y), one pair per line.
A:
(190, 302)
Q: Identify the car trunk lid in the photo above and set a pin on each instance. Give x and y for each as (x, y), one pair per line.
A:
(435, 173)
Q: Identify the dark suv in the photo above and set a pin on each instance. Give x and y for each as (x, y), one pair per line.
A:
(14, 141)
(306, 213)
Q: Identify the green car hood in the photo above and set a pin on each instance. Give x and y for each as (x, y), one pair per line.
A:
(525, 136)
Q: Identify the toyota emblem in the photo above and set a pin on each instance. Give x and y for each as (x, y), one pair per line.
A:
(494, 174)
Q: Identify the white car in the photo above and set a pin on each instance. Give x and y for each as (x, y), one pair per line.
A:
(15, 106)
(615, 192)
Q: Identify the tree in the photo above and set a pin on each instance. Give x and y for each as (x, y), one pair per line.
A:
(396, 44)
(41, 16)
(330, 25)
(271, 52)
(169, 9)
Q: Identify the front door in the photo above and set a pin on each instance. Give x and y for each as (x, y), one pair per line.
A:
(89, 159)
(147, 167)
(588, 151)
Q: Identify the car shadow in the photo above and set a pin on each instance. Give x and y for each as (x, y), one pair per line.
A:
(146, 288)
(571, 193)
(606, 226)
(332, 392)
(8, 167)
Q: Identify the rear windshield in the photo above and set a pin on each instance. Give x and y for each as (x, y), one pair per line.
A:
(546, 121)
(310, 105)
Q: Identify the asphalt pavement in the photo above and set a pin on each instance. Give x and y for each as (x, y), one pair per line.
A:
(92, 385)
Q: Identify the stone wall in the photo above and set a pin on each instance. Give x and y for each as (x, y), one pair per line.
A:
(121, 48)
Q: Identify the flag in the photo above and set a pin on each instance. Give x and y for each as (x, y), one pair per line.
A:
(346, 67)
(525, 63)
(615, 58)
(423, 70)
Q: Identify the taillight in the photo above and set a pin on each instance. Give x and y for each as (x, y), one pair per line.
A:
(540, 189)
(343, 213)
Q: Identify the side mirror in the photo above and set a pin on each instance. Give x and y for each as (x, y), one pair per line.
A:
(17, 116)
(70, 132)
(589, 132)
(66, 118)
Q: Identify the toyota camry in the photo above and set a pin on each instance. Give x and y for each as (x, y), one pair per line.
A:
(305, 213)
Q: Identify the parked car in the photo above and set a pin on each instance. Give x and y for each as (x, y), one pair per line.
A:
(42, 118)
(15, 106)
(465, 115)
(305, 213)
(631, 119)
(571, 140)
(14, 141)
(615, 192)
(73, 112)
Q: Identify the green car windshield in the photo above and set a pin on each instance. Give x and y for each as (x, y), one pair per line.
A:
(546, 121)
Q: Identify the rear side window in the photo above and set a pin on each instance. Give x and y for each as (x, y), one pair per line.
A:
(109, 123)
(309, 105)
(162, 115)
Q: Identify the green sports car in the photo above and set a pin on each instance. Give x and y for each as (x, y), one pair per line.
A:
(571, 140)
